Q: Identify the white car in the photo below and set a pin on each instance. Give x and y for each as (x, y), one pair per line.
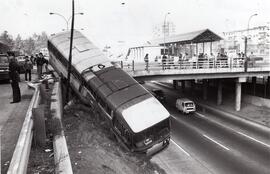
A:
(185, 105)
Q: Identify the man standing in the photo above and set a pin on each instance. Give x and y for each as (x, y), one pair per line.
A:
(40, 61)
(28, 66)
(15, 78)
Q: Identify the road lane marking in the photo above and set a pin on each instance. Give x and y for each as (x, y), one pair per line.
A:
(201, 115)
(216, 142)
(253, 139)
(180, 147)
(173, 116)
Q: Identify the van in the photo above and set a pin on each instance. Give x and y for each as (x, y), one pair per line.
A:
(185, 105)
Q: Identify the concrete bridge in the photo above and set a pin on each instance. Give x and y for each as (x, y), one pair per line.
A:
(187, 72)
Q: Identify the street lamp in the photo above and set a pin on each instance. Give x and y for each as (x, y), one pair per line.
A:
(164, 52)
(63, 17)
(246, 40)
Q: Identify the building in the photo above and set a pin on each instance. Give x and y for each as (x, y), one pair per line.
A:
(161, 29)
(197, 42)
(258, 41)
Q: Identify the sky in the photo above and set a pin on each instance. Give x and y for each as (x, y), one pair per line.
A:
(109, 22)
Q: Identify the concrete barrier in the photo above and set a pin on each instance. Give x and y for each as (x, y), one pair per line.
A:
(19, 161)
(257, 101)
(61, 155)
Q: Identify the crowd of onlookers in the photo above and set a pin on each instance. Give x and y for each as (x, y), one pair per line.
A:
(27, 66)
(202, 60)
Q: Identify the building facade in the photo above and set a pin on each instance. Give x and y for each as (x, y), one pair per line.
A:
(258, 41)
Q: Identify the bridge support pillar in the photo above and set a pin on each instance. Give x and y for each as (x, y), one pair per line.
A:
(193, 87)
(175, 84)
(219, 92)
(238, 86)
(254, 85)
(183, 85)
(205, 84)
(268, 86)
(238, 96)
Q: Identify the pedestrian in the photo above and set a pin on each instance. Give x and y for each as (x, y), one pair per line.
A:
(163, 60)
(14, 78)
(146, 60)
(27, 67)
(40, 61)
(32, 59)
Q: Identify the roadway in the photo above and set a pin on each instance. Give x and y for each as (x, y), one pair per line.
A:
(11, 120)
(220, 145)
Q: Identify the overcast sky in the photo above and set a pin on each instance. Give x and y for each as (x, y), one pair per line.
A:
(108, 22)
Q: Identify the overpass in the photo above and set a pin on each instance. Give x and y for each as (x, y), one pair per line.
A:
(188, 71)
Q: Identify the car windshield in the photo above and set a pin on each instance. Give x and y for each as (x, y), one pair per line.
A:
(189, 104)
(3, 59)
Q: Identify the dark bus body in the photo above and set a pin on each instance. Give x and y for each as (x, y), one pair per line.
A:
(134, 115)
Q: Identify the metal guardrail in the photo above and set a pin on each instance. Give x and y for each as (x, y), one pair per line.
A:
(236, 64)
(21, 153)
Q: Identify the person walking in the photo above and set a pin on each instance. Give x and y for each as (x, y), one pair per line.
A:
(146, 60)
(14, 78)
(27, 67)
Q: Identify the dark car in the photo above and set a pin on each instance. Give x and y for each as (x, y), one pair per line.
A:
(4, 68)
(159, 94)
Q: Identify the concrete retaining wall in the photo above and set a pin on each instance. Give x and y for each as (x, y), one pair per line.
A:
(257, 101)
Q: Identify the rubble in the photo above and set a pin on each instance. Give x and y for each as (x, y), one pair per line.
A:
(93, 148)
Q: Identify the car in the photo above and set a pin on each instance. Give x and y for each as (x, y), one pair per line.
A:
(185, 105)
(4, 67)
(159, 94)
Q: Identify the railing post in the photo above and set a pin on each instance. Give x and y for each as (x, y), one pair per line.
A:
(121, 63)
(133, 65)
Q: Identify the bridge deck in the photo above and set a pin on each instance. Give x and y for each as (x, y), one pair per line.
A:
(187, 70)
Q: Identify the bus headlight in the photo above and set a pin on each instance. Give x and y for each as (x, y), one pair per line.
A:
(147, 141)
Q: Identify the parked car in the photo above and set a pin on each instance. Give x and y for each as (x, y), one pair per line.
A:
(185, 105)
(4, 68)
(159, 94)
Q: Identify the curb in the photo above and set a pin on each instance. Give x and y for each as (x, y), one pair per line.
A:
(61, 155)
(235, 117)
(19, 161)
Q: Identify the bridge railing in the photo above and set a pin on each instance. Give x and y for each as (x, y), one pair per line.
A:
(212, 65)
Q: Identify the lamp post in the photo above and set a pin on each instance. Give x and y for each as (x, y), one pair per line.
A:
(246, 40)
(164, 52)
(63, 17)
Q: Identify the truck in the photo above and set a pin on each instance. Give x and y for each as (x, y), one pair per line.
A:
(4, 67)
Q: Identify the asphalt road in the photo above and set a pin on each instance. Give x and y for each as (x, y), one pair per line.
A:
(11, 120)
(217, 145)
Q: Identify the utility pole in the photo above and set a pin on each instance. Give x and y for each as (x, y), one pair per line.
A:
(70, 52)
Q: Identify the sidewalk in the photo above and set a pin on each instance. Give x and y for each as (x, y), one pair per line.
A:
(12, 117)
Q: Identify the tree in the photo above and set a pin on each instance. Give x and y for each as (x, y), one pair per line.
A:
(7, 39)
(18, 43)
(29, 46)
